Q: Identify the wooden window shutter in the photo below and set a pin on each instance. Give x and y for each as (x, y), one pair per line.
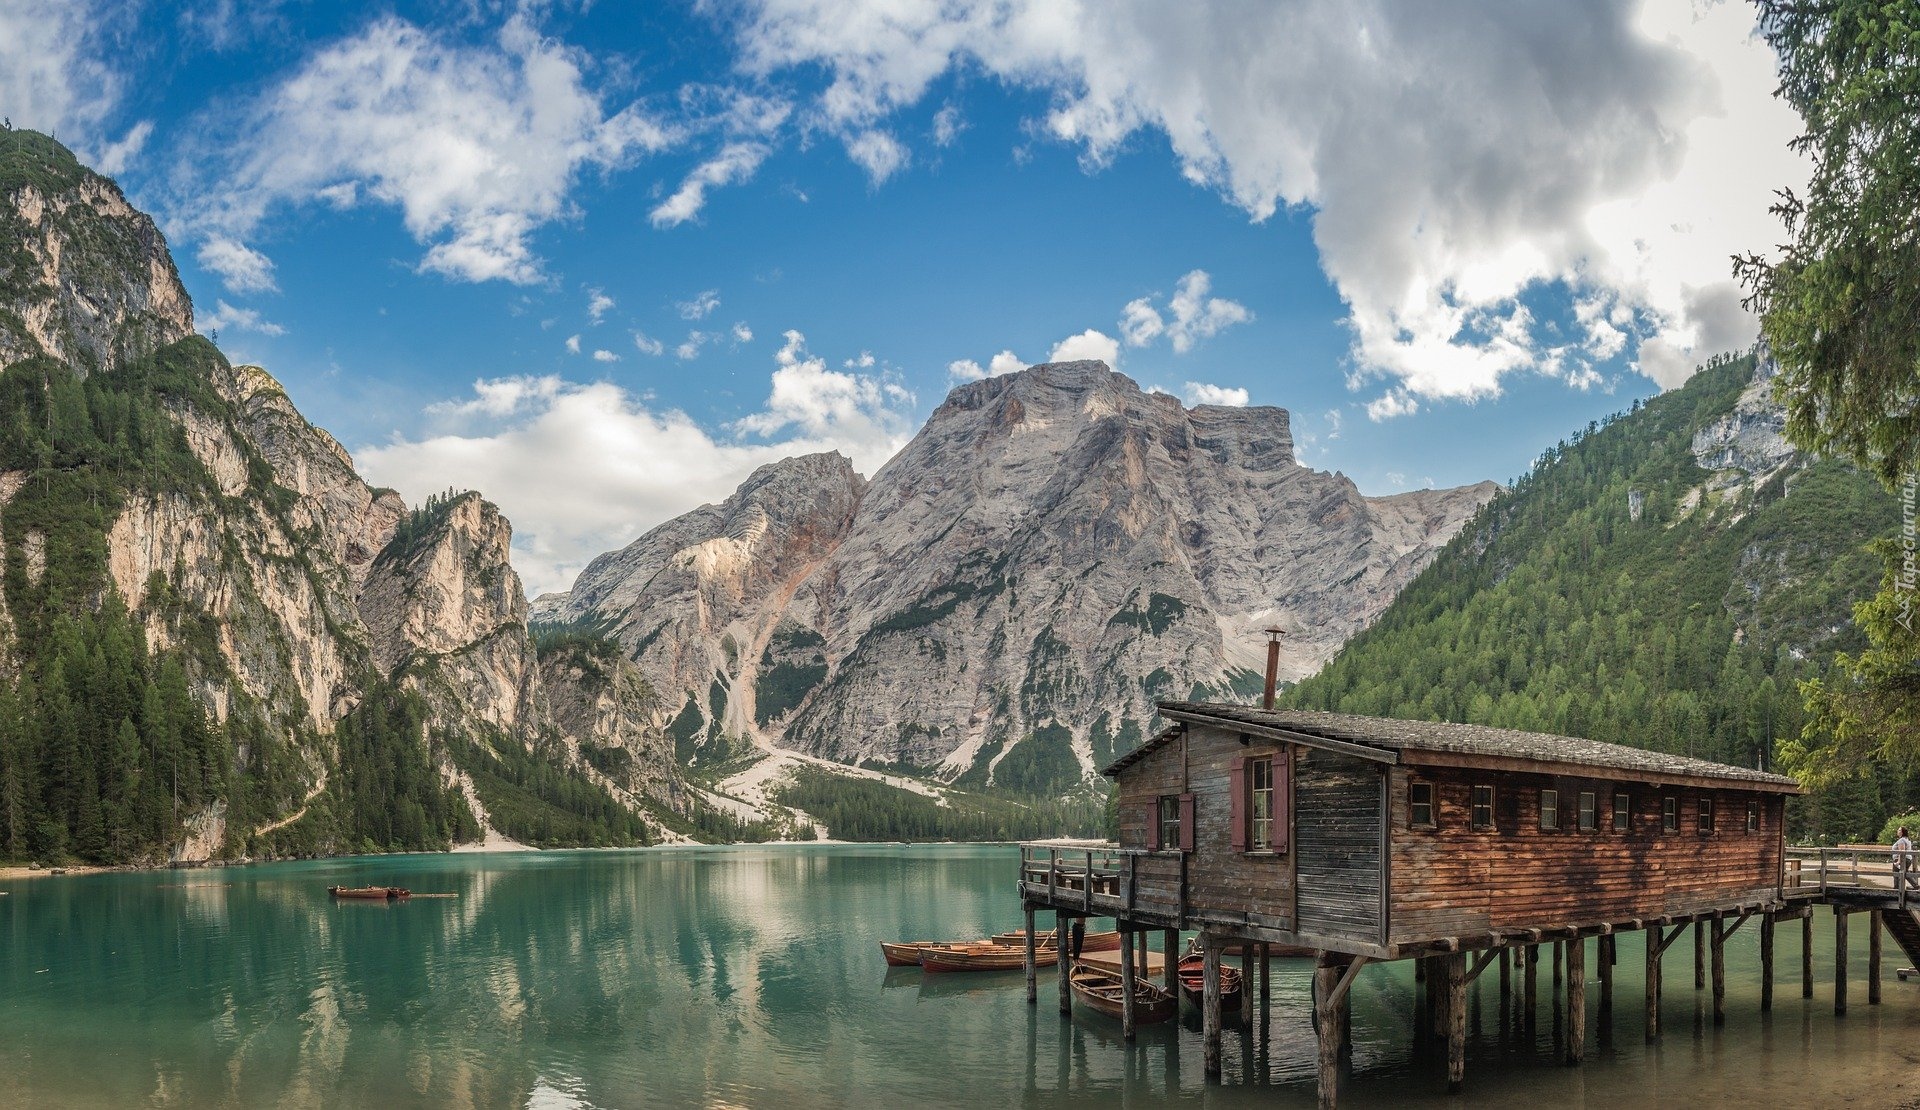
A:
(1237, 802)
(1282, 798)
(1153, 824)
(1186, 822)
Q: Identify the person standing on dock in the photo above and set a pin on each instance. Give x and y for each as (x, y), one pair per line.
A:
(1078, 935)
(1902, 859)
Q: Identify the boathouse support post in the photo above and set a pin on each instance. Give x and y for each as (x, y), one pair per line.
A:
(1033, 972)
(1766, 962)
(1873, 958)
(1699, 955)
(1456, 965)
(1654, 938)
(1170, 955)
(1329, 1000)
(1266, 976)
(1422, 1004)
(1806, 954)
(1559, 957)
(1839, 961)
(1605, 954)
(1506, 976)
(1719, 972)
(1210, 1003)
(1576, 1000)
(1529, 989)
(1063, 956)
(1129, 975)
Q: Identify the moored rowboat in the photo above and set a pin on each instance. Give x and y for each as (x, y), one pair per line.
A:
(371, 893)
(975, 957)
(1193, 983)
(1104, 991)
(1095, 942)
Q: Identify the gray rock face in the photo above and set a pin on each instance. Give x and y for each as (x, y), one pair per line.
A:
(1752, 439)
(1055, 550)
(94, 282)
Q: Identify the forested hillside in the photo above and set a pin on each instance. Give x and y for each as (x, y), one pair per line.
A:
(1625, 592)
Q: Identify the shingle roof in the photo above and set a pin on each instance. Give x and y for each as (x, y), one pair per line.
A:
(1386, 734)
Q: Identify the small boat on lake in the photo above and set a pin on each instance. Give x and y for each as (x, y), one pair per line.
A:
(975, 957)
(370, 893)
(1095, 942)
(1193, 983)
(1104, 991)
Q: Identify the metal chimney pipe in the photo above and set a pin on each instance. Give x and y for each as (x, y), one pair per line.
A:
(1273, 665)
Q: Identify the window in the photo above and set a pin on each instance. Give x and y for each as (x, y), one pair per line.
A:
(1589, 811)
(1705, 816)
(1549, 809)
(1260, 782)
(1169, 820)
(1753, 816)
(1670, 815)
(1622, 812)
(1420, 805)
(1482, 809)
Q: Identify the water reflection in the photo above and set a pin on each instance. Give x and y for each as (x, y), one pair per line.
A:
(753, 976)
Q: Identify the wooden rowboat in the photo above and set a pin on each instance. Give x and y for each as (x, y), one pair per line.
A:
(975, 957)
(1095, 942)
(371, 893)
(1104, 991)
(1193, 983)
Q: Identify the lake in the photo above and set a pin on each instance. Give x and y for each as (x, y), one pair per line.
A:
(752, 976)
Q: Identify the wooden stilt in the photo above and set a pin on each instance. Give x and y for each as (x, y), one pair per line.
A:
(1033, 971)
(1328, 1021)
(1420, 969)
(1210, 1005)
(1699, 955)
(1266, 976)
(1506, 972)
(1766, 962)
(1170, 955)
(1839, 961)
(1129, 974)
(1422, 1005)
(1530, 989)
(1456, 965)
(1873, 958)
(1064, 957)
(1654, 937)
(1806, 956)
(1719, 972)
(1246, 981)
(1559, 956)
(1605, 1014)
(1576, 1000)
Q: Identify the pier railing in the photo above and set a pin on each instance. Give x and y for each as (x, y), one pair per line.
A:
(1098, 876)
(1853, 869)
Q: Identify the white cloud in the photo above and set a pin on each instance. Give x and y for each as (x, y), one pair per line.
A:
(1192, 315)
(742, 333)
(862, 361)
(947, 125)
(1396, 479)
(477, 146)
(964, 370)
(226, 317)
(735, 163)
(1454, 158)
(573, 344)
(603, 355)
(699, 306)
(55, 76)
(690, 348)
(114, 157)
(877, 152)
(1089, 344)
(1002, 364)
(241, 268)
(1200, 393)
(1392, 403)
(1140, 322)
(646, 344)
(598, 305)
(584, 468)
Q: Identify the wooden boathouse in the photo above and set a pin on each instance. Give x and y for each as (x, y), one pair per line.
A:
(1360, 839)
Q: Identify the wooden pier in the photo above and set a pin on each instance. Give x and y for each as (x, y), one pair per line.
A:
(1363, 841)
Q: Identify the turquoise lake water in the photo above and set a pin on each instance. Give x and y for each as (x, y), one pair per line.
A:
(752, 977)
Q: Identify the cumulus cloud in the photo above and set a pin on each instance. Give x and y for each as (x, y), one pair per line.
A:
(699, 306)
(584, 468)
(598, 305)
(689, 349)
(877, 152)
(1200, 393)
(1089, 344)
(477, 146)
(1454, 158)
(967, 370)
(603, 355)
(1140, 322)
(742, 333)
(573, 344)
(1192, 315)
(55, 75)
(1392, 403)
(241, 268)
(646, 344)
(947, 125)
(735, 162)
(226, 317)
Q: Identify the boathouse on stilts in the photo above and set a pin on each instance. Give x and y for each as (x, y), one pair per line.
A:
(1361, 840)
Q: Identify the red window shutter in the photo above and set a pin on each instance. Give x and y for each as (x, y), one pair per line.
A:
(1153, 825)
(1237, 802)
(1282, 799)
(1186, 822)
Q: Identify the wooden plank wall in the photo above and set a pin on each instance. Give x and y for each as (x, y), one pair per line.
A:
(1338, 845)
(1255, 887)
(1453, 881)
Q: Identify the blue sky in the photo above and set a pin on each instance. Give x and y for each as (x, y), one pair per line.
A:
(600, 260)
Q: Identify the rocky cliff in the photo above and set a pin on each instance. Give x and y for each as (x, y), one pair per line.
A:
(1005, 600)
